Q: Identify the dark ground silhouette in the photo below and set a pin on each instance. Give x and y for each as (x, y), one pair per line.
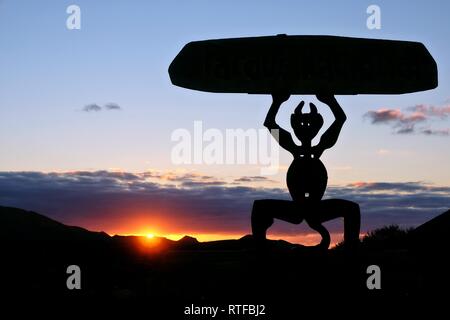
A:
(36, 252)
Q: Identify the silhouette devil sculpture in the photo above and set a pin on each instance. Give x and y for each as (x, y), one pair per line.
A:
(307, 177)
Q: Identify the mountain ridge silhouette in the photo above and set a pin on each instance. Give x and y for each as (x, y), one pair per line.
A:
(30, 225)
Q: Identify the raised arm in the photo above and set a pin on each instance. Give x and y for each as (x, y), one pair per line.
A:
(283, 137)
(330, 136)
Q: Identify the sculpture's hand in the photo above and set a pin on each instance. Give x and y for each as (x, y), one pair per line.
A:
(279, 98)
(328, 99)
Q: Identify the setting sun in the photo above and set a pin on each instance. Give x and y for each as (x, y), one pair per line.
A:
(150, 235)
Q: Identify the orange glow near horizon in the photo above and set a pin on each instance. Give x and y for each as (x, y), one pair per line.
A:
(308, 239)
(151, 229)
(138, 222)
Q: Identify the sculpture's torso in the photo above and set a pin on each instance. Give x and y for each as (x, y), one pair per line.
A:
(306, 177)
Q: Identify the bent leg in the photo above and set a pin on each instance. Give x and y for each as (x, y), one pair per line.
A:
(265, 211)
(317, 226)
(335, 208)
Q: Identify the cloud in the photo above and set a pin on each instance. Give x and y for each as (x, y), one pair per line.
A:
(407, 129)
(185, 179)
(405, 122)
(384, 115)
(189, 204)
(253, 179)
(92, 107)
(112, 106)
(391, 186)
(202, 183)
(439, 132)
(95, 107)
(432, 111)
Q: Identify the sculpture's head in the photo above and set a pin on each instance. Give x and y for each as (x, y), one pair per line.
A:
(306, 125)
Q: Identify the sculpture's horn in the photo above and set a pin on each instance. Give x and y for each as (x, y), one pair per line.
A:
(313, 108)
(299, 108)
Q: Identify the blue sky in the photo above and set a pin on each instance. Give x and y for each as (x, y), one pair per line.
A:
(121, 55)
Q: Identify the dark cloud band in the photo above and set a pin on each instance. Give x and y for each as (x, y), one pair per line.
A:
(190, 203)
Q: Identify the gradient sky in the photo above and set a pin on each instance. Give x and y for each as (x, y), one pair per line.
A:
(121, 55)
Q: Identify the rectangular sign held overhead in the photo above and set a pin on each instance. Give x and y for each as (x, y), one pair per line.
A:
(304, 65)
